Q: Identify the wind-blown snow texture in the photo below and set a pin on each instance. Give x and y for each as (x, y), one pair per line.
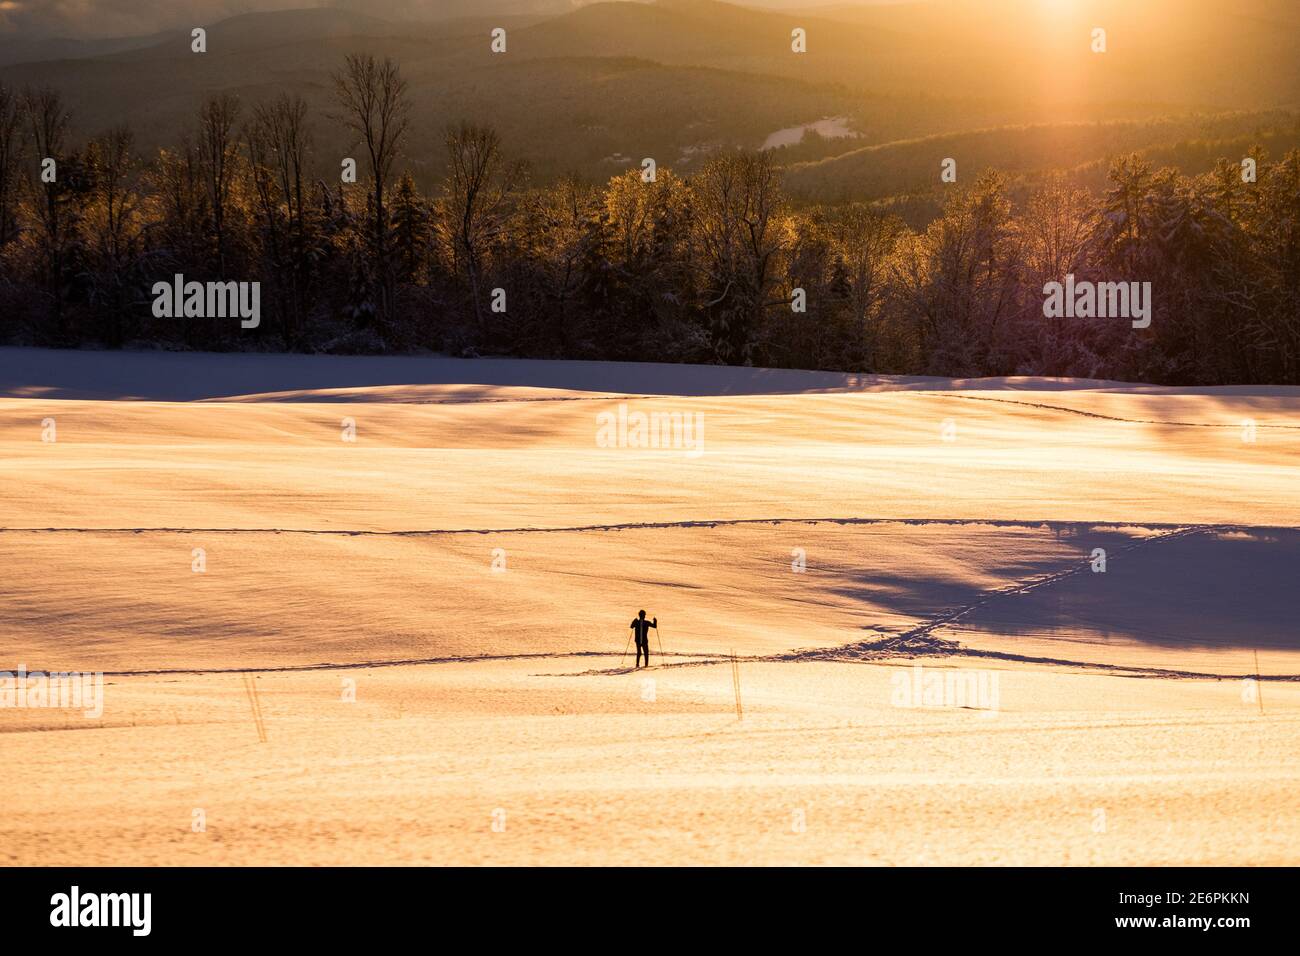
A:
(372, 560)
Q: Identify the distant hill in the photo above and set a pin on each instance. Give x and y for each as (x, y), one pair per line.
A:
(34, 30)
(589, 89)
(1216, 55)
(16, 49)
(892, 169)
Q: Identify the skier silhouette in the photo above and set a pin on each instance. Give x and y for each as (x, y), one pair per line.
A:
(642, 628)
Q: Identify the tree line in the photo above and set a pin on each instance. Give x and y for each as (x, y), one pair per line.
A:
(717, 268)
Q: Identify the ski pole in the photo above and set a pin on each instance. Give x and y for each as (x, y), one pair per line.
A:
(623, 660)
(660, 639)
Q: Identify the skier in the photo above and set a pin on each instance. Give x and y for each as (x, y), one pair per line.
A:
(642, 629)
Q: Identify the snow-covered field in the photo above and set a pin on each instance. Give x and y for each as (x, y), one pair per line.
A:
(460, 545)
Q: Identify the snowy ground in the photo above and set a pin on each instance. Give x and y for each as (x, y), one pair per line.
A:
(468, 565)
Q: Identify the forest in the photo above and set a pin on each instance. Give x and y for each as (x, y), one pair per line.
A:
(718, 266)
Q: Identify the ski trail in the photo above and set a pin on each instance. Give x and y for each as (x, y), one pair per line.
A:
(915, 642)
(357, 665)
(281, 398)
(1098, 415)
(920, 640)
(922, 632)
(1055, 525)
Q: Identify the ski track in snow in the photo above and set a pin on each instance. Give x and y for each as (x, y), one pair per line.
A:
(1054, 524)
(1098, 415)
(919, 641)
